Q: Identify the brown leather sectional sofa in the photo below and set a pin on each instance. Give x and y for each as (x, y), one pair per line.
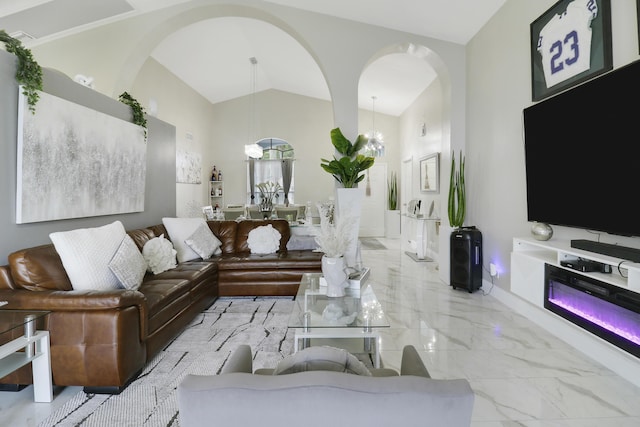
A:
(101, 340)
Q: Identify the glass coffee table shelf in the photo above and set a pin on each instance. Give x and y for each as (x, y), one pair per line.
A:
(358, 314)
(18, 332)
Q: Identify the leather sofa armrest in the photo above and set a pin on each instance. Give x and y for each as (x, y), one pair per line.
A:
(6, 281)
(75, 301)
(239, 361)
(71, 300)
(412, 363)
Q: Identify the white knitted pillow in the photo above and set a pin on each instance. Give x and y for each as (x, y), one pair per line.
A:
(264, 240)
(86, 253)
(159, 255)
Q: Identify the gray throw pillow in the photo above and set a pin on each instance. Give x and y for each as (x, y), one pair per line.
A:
(128, 264)
(204, 242)
(321, 358)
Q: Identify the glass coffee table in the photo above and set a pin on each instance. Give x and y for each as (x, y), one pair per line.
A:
(18, 332)
(358, 314)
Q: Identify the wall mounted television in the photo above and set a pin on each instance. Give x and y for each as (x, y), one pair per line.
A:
(582, 155)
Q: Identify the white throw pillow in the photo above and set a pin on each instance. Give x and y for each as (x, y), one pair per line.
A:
(86, 253)
(321, 358)
(128, 264)
(159, 255)
(204, 242)
(180, 229)
(264, 240)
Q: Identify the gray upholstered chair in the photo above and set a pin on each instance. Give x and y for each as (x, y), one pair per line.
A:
(253, 211)
(233, 213)
(283, 211)
(329, 394)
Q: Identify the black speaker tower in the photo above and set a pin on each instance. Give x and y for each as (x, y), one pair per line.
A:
(466, 259)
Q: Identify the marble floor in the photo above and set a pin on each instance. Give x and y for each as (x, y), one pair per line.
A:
(521, 374)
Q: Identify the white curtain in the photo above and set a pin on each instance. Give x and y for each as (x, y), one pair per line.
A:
(287, 176)
(270, 171)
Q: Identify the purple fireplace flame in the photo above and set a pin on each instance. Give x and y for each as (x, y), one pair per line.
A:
(603, 314)
(606, 310)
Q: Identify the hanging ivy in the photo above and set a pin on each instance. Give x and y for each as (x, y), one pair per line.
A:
(136, 110)
(28, 73)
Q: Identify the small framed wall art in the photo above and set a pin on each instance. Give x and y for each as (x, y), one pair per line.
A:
(430, 174)
(570, 43)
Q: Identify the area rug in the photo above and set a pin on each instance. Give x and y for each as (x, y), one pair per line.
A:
(201, 349)
(371, 243)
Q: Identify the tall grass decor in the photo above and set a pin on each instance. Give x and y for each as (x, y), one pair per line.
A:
(392, 194)
(457, 201)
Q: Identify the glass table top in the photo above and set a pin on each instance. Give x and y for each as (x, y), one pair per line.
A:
(11, 320)
(359, 308)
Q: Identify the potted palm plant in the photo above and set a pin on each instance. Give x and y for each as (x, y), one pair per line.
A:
(348, 169)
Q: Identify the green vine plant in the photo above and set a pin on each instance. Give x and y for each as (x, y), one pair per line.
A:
(28, 73)
(136, 109)
(457, 201)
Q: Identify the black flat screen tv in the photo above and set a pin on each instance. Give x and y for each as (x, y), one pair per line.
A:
(582, 155)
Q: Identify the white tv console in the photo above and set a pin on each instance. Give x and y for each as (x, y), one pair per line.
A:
(528, 260)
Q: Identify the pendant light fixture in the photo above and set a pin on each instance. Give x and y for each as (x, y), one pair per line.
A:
(253, 150)
(374, 146)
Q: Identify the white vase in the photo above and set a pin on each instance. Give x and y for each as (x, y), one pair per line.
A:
(349, 204)
(541, 231)
(335, 273)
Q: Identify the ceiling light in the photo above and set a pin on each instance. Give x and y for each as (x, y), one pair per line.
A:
(253, 150)
(375, 145)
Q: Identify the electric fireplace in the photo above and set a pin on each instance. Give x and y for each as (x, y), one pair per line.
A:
(608, 311)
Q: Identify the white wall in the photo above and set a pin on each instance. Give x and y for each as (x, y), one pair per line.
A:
(499, 88)
(302, 121)
(191, 114)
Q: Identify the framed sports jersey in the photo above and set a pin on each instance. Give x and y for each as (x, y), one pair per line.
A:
(570, 43)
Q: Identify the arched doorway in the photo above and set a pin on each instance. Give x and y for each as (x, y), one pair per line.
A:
(286, 86)
(396, 79)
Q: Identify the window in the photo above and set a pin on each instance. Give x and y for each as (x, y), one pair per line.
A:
(276, 165)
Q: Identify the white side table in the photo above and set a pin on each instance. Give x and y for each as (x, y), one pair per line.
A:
(36, 346)
(420, 224)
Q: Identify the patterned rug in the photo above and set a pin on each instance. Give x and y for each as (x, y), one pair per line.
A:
(371, 243)
(201, 349)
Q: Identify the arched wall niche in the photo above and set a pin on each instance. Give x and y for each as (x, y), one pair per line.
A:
(231, 158)
(442, 75)
(431, 104)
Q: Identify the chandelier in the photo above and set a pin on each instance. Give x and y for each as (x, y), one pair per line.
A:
(253, 150)
(375, 145)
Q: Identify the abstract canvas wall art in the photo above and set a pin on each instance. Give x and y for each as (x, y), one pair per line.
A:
(188, 167)
(76, 162)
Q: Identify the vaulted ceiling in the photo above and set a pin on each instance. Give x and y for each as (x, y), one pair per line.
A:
(396, 79)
